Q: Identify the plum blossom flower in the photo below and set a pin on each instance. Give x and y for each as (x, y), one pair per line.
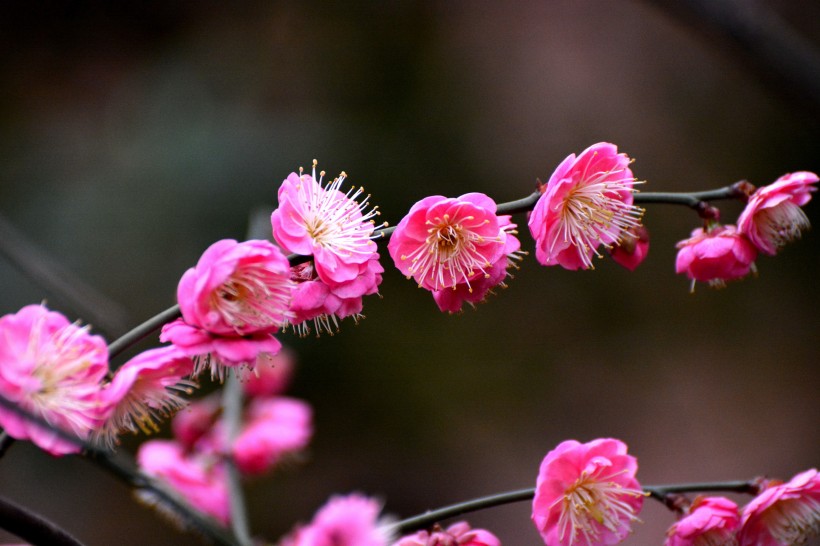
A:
(321, 221)
(144, 390)
(715, 255)
(632, 248)
(52, 369)
(344, 521)
(444, 242)
(773, 216)
(273, 427)
(783, 513)
(476, 291)
(586, 203)
(199, 479)
(269, 377)
(458, 534)
(196, 421)
(587, 494)
(710, 521)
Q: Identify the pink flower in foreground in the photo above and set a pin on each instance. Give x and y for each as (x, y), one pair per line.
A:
(783, 514)
(218, 353)
(711, 521)
(325, 223)
(458, 534)
(237, 289)
(587, 494)
(632, 249)
(476, 291)
(773, 216)
(52, 369)
(343, 521)
(200, 480)
(274, 427)
(444, 242)
(145, 390)
(716, 255)
(586, 203)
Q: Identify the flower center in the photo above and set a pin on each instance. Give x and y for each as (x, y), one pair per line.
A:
(793, 521)
(254, 298)
(783, 223)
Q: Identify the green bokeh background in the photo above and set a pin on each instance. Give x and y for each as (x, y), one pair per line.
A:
(133, 137)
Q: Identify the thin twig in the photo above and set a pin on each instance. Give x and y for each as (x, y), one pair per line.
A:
(31, 527)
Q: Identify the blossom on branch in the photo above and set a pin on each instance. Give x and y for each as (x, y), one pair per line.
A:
(715, 255)
(352, 520)
(144, 390)
(710, 521)
(783, 514)
(632, 248)
(587, 494)
(773, 216)
(457, 534)
(269, 377)
(54, 370)
(453, 244)
(587, 202)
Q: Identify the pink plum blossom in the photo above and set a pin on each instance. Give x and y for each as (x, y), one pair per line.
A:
(784, 513)
(270, 376)
(587, 494)
(54, 370)
(218, 353)
(237, 289)
(586, 203)
(273, 427)
(632, 248)
(144, 390)
(444, 242)
(476, 291)
(196, 421)
(199, 479)
(773, 216)
(715, 255)
(321, 221)
(344, 521)
(458, 534)
(710, 521)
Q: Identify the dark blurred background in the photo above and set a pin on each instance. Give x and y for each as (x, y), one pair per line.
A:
(133, 135)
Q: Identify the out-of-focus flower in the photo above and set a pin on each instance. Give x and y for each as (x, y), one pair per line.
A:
(52, 369)
(326, 304)
(773, 216)
(196, 421)
(200, 480)
(324, 222)
(237, 289)
(216, 352)
(586, 203)
(270, 376)
(632, 248)
(458, 534)
(477, 290)
(274, 427)
(783, 514)
(710, 521)
(715, 255)
(444, 242)
(144, 390)
(344, 521)
(587, 494)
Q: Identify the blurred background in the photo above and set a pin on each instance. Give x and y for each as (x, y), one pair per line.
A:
(134, 135)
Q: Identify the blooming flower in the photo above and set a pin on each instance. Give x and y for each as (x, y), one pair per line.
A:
(343, 521)
(52, 369)
(783, 514)
(632, 248)
(200, 480)
(324, 222)
(773, 216)
(476, 291)
(144, 390)
(587, 202)
(711, 521)
(587, 494)
(458, 534)
(444, 242)
(715, 255)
